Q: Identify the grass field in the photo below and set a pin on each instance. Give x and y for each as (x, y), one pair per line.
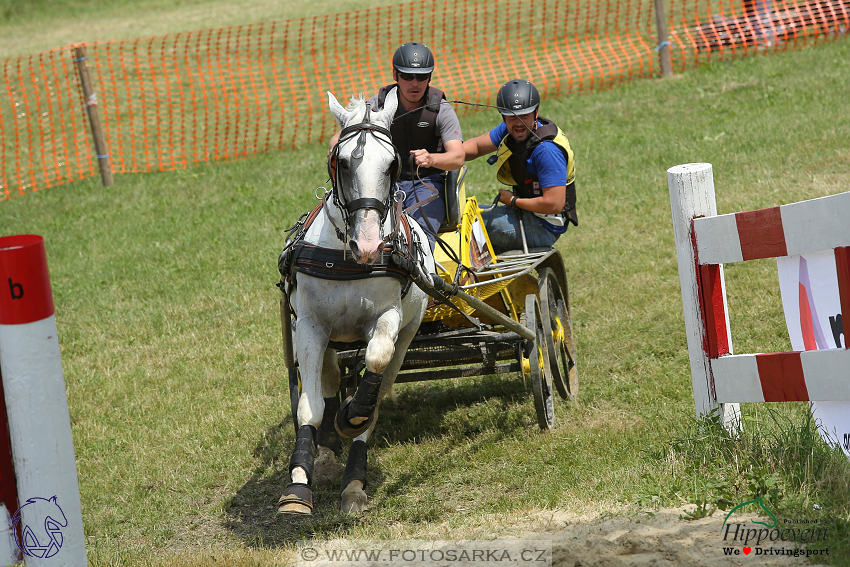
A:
(33, 26)
(167, 314)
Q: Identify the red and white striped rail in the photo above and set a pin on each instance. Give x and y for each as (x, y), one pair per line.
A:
(38, 471)
(705, 241)
(798, 228)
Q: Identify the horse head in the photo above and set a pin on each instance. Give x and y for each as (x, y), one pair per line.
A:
(363, 166)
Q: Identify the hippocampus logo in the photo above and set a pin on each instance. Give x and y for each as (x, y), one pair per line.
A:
(41, 536)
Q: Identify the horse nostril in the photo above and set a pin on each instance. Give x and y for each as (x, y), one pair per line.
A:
(352, 245)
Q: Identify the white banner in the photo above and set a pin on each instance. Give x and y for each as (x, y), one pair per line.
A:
(809, 287)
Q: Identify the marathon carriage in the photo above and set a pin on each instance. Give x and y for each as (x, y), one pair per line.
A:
(358, 270)
(491, 314)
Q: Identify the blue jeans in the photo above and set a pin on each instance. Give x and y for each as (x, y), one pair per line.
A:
(502, 224)
(435, 211)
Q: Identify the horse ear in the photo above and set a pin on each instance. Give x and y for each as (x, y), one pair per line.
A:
(337, 110)
(390, 106)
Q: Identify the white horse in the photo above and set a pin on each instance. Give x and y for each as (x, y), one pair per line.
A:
(373, 310)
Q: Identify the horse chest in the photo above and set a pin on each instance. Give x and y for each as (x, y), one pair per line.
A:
(348, 310)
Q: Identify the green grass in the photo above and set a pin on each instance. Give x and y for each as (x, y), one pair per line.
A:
(170, 337)
(33, 26)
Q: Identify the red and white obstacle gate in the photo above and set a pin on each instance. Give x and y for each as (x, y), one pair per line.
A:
(41, 514)
(704, 242)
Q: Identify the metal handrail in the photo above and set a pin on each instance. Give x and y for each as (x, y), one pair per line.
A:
(514, 269)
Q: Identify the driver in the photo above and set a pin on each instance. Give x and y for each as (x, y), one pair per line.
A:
(425, 130)
(534, 158)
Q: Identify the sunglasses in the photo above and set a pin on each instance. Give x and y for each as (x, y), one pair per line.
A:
(421, 77)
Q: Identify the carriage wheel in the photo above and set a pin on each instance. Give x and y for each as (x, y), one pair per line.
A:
(538, 367)
(558, 327)
(294, 393)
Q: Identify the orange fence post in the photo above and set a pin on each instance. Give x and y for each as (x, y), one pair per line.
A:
(94, 117)
(663, 45)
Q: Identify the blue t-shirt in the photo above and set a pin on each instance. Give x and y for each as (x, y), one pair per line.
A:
(547, 162)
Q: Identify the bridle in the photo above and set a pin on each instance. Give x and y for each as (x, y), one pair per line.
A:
(360, 131)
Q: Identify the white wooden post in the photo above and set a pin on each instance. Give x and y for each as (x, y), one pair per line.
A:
(692, 196)
(49, 514)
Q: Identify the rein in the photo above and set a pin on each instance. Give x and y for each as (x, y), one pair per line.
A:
(434, 195)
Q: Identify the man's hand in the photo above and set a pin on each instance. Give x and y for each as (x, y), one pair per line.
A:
(450, 159)
(505, 196)
(423, 158)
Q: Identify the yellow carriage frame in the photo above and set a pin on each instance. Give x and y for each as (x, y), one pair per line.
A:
(497, 290)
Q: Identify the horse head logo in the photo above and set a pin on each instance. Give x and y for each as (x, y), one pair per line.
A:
(761, 505)
(41, 536)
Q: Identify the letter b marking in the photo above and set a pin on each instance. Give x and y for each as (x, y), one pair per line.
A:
(16, 289)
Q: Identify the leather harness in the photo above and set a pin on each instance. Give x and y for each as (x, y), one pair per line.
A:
(396, 260)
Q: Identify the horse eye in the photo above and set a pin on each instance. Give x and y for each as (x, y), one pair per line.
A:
(343, 163)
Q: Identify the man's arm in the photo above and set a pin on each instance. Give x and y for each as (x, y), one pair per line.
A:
(449, 160)
(478, 146)
(551, 202)
(550, 166)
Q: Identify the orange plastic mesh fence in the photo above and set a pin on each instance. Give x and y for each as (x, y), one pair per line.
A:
(191, 98)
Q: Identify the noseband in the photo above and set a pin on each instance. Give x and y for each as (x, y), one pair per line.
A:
(360, 130)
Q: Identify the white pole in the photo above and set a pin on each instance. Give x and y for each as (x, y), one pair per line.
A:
(49, 509)
(692, 195)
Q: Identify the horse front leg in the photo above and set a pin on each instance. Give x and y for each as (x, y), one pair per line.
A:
(353, 498)
(355, 415)
(326, 467)
(297, 497)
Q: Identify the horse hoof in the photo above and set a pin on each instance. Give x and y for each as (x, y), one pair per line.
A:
(353, 500)
(344, 427)
(326, 469)
(294, 509)
(297, 500)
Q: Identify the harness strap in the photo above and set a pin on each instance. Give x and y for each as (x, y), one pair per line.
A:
(367, 203)
(284, 261)
(340, 234)
(397, 224)
(328, 263)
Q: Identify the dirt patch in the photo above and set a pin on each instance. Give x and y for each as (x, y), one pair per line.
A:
(658, 539)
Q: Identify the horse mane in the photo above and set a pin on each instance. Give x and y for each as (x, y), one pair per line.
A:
(356, 102)
(358, 105)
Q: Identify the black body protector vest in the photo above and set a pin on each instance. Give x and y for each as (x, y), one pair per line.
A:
(417, 130)
(512, 171)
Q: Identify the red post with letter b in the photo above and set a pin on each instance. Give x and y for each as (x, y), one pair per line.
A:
(38, 469)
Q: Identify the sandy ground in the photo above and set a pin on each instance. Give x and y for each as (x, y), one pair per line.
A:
(657, 539)
(648, 539)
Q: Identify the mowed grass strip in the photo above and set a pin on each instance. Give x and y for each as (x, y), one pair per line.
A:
(170, 336)
(34, 26)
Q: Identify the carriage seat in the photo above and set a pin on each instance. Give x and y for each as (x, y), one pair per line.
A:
(455, 199)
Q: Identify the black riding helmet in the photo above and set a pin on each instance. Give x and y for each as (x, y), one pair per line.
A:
(413, 58)
(517, 97)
